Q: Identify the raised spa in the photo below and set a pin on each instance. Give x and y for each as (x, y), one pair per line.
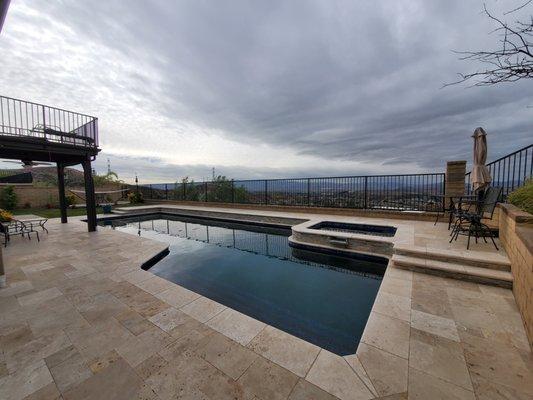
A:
(375, 230)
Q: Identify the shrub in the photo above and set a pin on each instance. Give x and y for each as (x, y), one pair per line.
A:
(8, 198)
(5, 216)
(523, 197)
(71, 199)
(135, 197)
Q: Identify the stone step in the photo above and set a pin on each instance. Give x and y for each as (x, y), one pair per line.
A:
(467, 257)
(453, 270)
(115, 211)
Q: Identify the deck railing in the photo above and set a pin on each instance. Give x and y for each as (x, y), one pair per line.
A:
(418, 192)
(510, 171)
(24, 119)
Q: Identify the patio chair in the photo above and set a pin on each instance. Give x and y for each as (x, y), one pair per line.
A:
(470, 222)
(14, 228)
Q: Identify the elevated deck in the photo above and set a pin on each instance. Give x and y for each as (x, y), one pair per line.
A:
(36, 132)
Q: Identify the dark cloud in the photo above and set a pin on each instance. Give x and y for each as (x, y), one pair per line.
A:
(335, 80)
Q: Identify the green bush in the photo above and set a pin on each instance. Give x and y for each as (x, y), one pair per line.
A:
(71, 199)
(8, 198)
(523, 197)
(135, 197)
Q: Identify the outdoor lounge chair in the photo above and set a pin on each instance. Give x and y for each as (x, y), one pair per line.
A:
(469, 222)
(14, 228)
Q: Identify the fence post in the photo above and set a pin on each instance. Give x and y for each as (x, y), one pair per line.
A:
(184, 190)
(44, 121)
(166, 192)
(365, 200)
(266, 192)
(232, 191)
(308, 192)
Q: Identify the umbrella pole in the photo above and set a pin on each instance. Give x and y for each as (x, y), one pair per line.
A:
(2, 272)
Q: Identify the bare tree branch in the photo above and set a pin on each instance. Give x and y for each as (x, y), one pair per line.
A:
(512, 62)
(517, 8)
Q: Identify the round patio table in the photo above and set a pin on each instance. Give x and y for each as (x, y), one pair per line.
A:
(455, 203)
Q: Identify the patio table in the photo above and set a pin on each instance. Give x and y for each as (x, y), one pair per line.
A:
(455, 202)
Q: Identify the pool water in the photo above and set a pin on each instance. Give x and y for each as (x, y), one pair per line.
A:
(323, 299)
(375, 230)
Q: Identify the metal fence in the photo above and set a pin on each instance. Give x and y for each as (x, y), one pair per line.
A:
(19, 118)
(395, 192)
(510, 171)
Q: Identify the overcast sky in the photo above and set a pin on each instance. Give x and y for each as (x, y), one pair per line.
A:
(266, 88)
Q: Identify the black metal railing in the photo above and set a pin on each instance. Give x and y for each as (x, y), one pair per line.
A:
(387, 192)
(19, 118)
(510, 171)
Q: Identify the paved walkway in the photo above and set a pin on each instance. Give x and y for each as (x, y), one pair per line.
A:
(81, 320)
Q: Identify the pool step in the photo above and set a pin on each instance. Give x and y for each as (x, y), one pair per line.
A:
(459, 271)
(471, 258)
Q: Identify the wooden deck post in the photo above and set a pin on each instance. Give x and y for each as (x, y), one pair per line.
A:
(61, 188)
(90, 198)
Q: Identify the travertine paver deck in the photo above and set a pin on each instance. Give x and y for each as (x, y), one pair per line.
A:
(80, 320)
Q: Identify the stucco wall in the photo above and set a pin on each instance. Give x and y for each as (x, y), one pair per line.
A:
(516, 234)
(40, 197)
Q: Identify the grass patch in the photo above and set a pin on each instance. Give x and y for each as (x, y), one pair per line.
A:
(52, 212)
(55, 212)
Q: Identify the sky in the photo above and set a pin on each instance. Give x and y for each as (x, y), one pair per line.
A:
(267, 89)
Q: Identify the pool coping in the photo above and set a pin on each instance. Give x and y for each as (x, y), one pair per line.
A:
(351, 365)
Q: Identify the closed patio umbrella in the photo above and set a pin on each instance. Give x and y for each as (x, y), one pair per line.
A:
(480, 173)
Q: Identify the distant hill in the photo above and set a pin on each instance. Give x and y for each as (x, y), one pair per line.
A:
(47, 176)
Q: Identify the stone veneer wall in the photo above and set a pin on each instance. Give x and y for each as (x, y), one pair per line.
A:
(455, 178)
(516, 235)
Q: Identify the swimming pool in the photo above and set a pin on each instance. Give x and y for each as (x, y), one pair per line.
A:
(324, 299)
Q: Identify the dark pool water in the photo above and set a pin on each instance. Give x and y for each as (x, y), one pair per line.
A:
(375, 230)
(323, 299)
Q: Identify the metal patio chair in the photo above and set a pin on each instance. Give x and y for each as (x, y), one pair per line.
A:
(469, 223)
(14, 228)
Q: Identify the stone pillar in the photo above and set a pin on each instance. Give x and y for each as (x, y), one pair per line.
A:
(455, 179)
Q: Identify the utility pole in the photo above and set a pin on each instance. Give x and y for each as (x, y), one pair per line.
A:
(213, 174)
(108, 166)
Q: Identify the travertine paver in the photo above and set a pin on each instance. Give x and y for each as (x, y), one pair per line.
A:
(80, 320)
(290, 352)
(236, 326)
(387, 372)
(333, 374)
(203, 309)
(267, 380)
(387, 333)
